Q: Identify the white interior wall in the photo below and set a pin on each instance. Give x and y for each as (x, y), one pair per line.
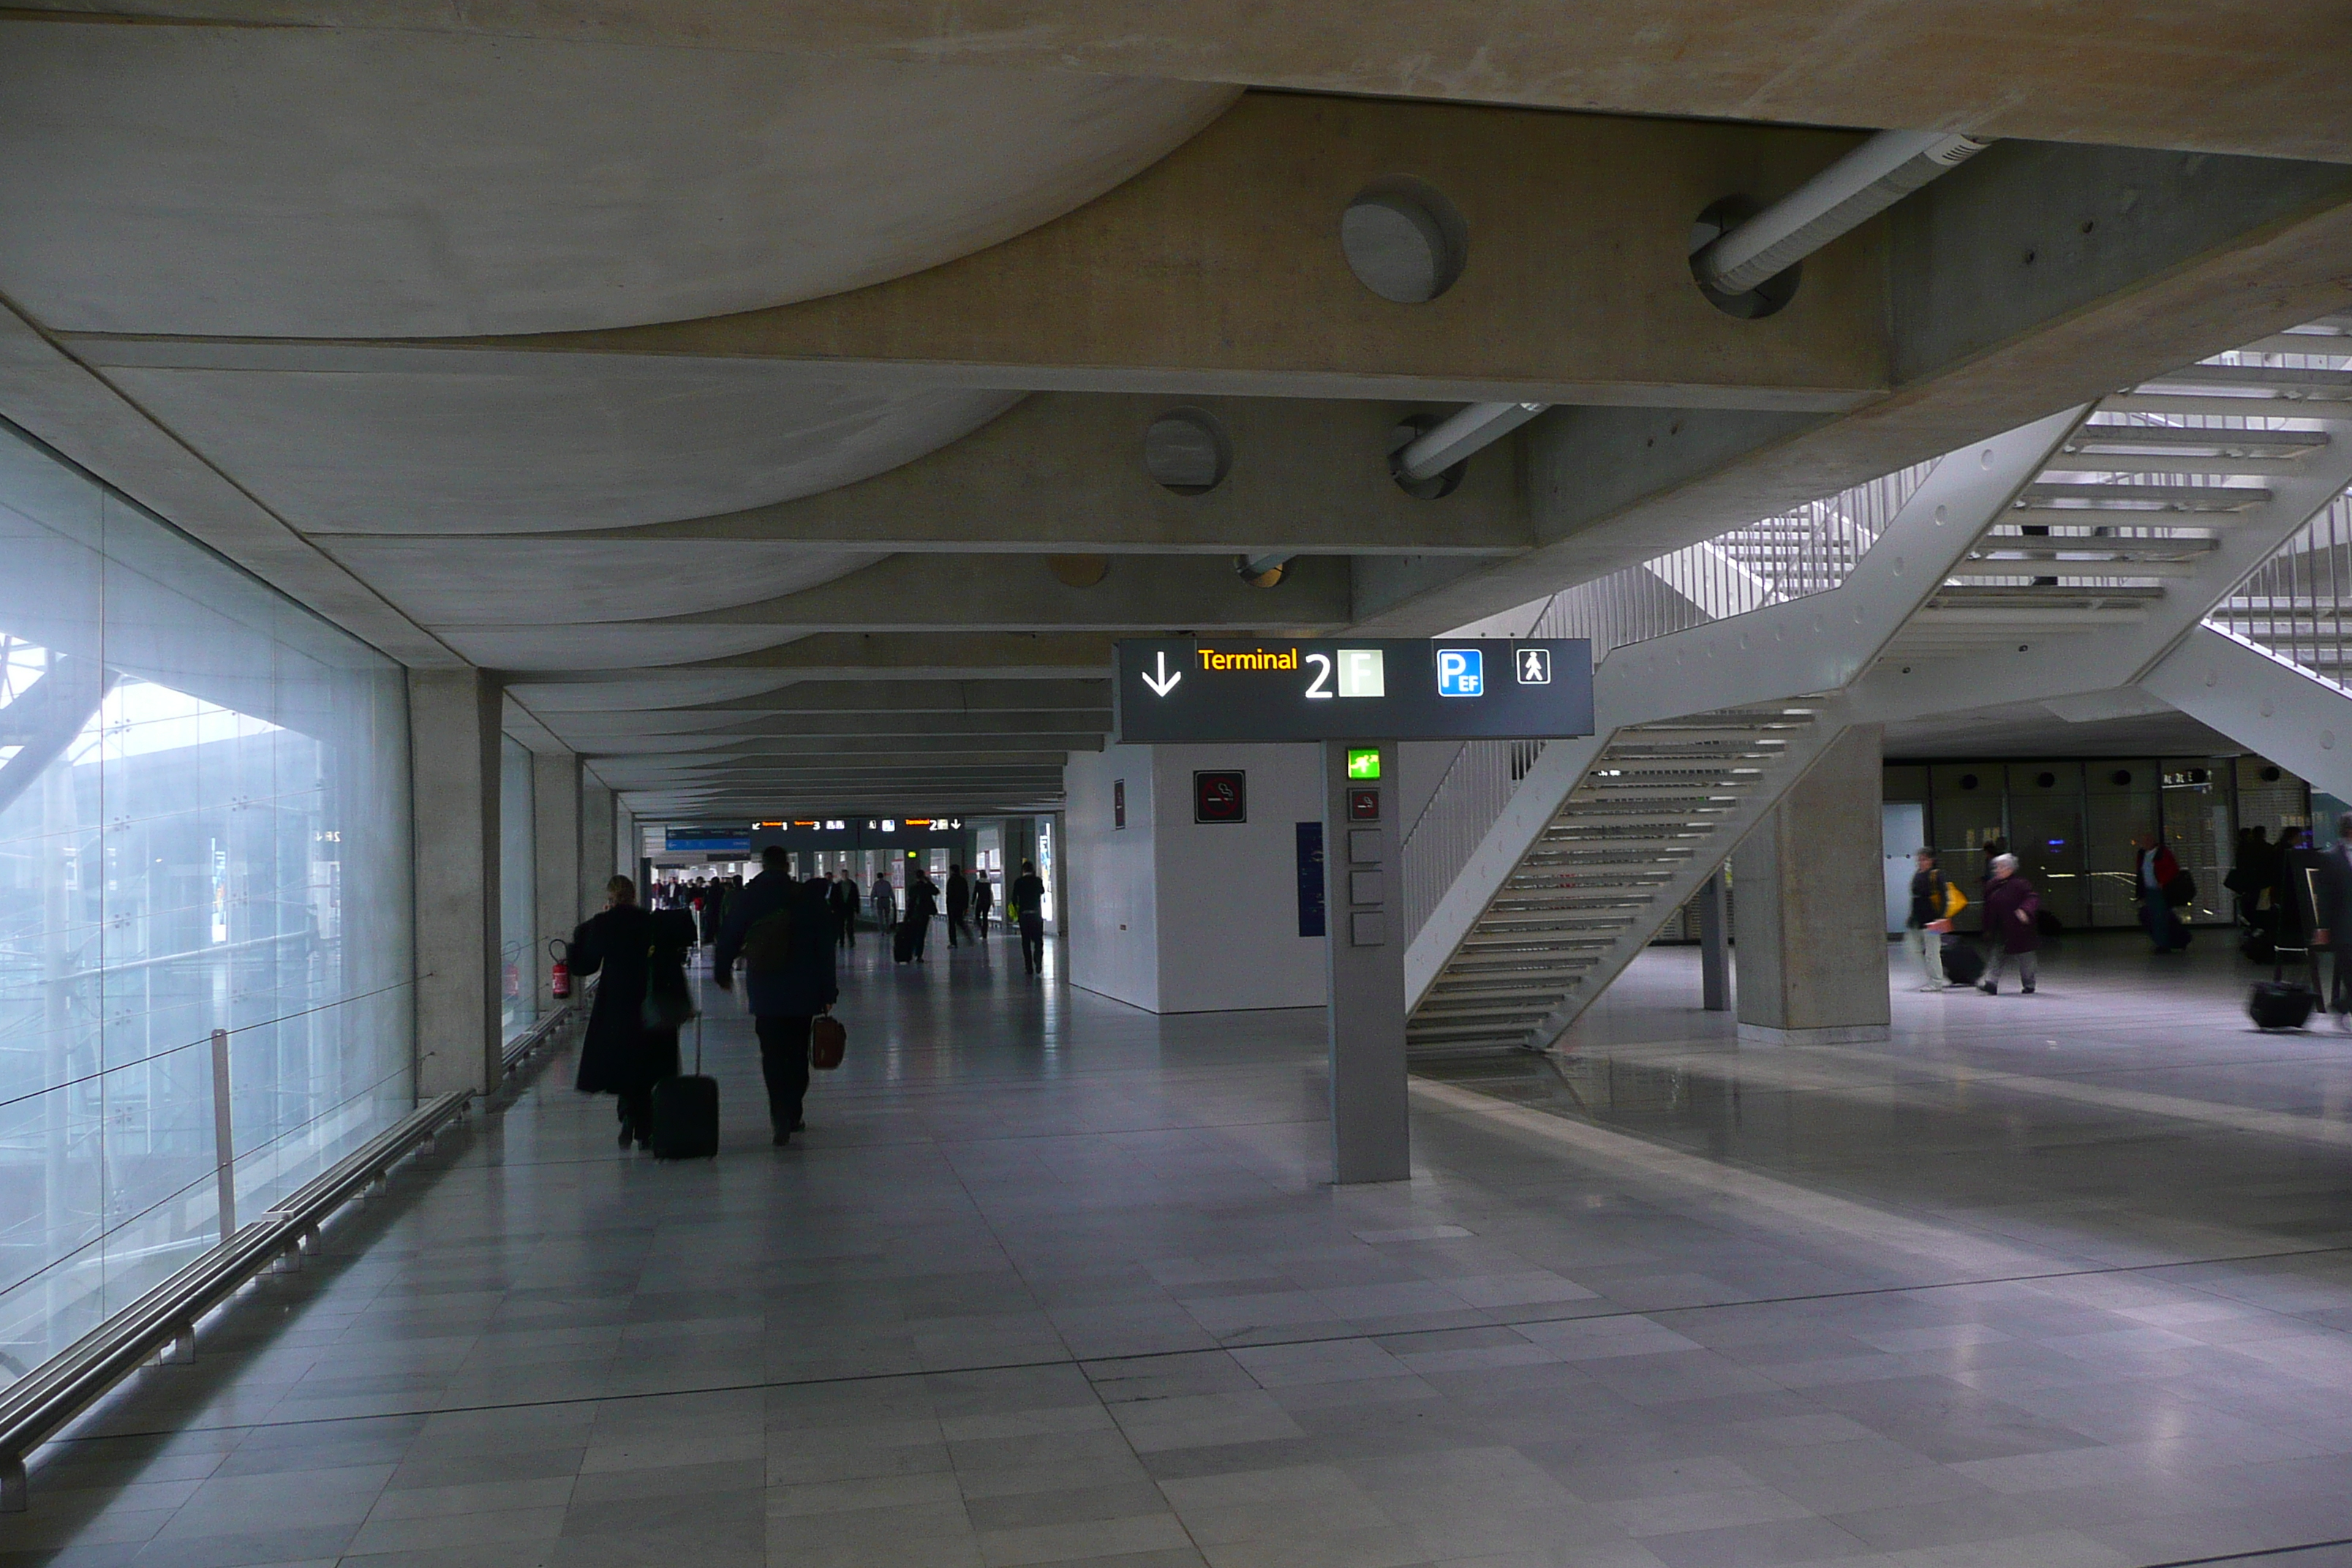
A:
(1111, 911)
(1228, 892)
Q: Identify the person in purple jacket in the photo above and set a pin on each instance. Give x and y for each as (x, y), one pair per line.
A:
(2012, 924)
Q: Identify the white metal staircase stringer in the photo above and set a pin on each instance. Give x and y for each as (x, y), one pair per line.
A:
(1657, 811)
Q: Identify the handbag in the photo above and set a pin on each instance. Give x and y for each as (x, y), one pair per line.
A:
(666, 1007)
(827, 1041)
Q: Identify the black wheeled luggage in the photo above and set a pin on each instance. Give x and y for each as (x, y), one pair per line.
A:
(2280, 1005)
(685, 1113)
(902, 944)
(1963, 965)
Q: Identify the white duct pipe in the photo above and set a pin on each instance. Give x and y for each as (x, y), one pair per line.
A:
(1840, 198)
(1436, 450)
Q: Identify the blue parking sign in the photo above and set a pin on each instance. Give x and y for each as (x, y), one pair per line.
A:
(1461, 673)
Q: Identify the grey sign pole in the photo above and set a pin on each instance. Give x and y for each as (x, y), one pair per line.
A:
(223, 1148)
(1370, 1137)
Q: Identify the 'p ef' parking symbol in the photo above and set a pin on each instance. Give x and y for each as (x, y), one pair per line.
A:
(1461, 673)
(1535, 665)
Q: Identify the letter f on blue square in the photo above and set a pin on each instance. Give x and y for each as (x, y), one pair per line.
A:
(1461, 673)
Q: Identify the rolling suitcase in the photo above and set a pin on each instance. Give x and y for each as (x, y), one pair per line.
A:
(902, 943)
(1963, 965)
(685, 1111)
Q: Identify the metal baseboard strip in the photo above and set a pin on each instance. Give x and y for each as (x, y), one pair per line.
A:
(38, 1405)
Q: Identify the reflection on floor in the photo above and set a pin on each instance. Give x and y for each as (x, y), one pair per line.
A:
(2052, 1280)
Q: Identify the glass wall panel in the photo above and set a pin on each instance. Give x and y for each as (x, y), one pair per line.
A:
(517, 878)
(204, 825)
(2119, 797)
(2045, 829)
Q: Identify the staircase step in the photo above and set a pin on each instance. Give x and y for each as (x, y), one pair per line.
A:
(2176, 498)
(2269, 378)
(2102, 436)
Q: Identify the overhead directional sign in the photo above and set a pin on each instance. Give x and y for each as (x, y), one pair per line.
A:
(1281, 688)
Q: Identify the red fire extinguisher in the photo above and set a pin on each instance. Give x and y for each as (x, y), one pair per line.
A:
(559, 977)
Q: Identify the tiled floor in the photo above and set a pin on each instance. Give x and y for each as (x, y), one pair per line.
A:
(2060, 1280)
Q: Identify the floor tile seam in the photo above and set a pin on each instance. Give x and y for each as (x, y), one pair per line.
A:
(632, 1163)
(1914, 1077)
(2254, 1556)
(1082, 1361)
(1870, 1204)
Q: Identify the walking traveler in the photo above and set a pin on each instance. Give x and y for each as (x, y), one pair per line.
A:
(959, 905)
(884, 903)
(635, 951)
(2158, 872)
(922, 903)
(983, 899)
(2334, 920)
(1931, 918)
(2012, 922)
(782, 930)
(844, 894)
(1024, 900)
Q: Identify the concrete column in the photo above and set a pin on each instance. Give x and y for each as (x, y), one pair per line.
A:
(453, 718)
(1714, 950)
(1370, 1128)
(599, 843)
(555, 824)
(1811, 954)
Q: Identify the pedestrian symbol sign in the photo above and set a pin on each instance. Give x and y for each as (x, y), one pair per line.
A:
(1461, 673)
(1535, 667)
(1363, 763)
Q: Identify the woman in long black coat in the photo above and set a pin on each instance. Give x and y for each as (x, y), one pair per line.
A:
(620, 1056)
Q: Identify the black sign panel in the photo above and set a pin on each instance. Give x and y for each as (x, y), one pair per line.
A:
(1278, 689)
(1221, 798)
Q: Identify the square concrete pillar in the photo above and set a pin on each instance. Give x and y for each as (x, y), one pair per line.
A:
(555, 824)
(1811, 906)
(599, 843)
(453, 719)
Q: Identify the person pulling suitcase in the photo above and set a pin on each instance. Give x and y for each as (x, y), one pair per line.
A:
(782, 931)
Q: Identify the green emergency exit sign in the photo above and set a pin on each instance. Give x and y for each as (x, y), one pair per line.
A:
(1363, 764)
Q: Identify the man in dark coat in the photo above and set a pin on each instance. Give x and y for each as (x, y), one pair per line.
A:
(843, 897)
(1025, 901)
(983, 899)
(922, 903)
(2012, 924)
(782, 930)
(619, 1056)
(958, 904)
(2334, 915)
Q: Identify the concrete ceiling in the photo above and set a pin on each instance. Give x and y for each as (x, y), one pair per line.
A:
(679, 359)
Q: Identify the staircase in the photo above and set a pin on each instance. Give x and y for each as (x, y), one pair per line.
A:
(2140, 495)
(1653, 816)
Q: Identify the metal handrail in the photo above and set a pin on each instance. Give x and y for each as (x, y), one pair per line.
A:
(538, 1035)
(39, 1404)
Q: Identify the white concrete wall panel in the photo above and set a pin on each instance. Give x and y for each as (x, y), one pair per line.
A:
(1228, 893)
(1112, 910)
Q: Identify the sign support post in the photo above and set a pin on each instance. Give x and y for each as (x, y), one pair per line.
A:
(1183, 691)
(1364, 958)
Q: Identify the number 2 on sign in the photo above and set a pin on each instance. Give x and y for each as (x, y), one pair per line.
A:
(1320, 686)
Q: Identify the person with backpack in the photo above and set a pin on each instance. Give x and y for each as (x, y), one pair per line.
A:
(2160, 883)
(782, 931)
(621, 1054)
(2012, 922)
(1931, 918)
